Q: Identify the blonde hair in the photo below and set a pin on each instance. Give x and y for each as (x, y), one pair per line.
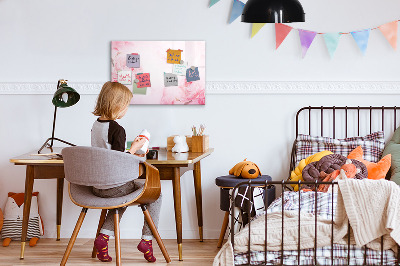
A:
(112, 99)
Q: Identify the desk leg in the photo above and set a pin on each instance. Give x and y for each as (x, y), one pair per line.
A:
(60, 190)
(176, 182)
(197, 189)
(27, 206)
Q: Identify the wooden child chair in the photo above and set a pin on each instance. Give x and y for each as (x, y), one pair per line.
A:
(85, 167)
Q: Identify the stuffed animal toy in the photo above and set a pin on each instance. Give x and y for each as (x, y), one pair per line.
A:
(13, 215)
(245, 169)
(180, 144)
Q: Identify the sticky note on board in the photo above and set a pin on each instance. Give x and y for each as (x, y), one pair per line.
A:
(125, 77)
(137, 90)
(144, 80)
(170, 80)
(192, 74)
(179, 69)
(133, 60)
(174, 56)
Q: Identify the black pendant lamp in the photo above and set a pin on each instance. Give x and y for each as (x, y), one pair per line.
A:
(273, 11)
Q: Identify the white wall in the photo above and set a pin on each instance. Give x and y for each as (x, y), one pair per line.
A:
(42, 41)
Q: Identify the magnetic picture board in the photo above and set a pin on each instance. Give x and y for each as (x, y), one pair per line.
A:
(160, 72)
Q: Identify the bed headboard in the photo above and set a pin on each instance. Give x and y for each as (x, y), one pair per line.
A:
(344, 121)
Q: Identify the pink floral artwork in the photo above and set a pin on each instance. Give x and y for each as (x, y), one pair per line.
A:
(153, 60)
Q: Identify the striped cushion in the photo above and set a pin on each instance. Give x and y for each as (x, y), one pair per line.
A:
(13, 228)
(372, 145)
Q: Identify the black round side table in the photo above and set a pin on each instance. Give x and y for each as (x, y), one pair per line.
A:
(228, 182)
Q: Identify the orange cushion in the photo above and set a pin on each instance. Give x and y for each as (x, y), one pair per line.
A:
(375, 170)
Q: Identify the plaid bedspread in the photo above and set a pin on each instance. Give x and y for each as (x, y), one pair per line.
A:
(307, 202)
(324, 257)
(321, 205)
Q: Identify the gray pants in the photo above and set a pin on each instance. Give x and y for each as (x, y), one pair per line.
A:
(154, 208)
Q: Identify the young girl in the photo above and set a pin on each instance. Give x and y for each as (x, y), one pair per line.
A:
(112, 103)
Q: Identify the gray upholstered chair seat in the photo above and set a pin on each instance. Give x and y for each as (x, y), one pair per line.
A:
(83, 195)
(85, 167)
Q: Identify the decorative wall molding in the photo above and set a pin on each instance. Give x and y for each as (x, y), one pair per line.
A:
(47, 88)
(233, 87)
(304, 87)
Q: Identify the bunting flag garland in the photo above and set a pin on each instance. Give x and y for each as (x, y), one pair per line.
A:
(281, 31)
(389, 30)
(332, 41)
(361, 37)
(256, 27)
(237, 9)
(306, 39)
(213, 2)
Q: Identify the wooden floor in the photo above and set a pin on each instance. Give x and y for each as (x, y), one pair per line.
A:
(50, 252)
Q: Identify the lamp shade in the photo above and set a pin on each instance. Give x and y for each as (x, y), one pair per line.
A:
(65, 96)
(273, 11)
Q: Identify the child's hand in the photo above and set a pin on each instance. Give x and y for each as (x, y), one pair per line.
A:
(137, 144)
(143, 155)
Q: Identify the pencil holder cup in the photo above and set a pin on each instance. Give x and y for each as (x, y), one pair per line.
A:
(200, 143)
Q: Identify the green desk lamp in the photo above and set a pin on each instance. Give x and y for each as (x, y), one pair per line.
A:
(65, 96)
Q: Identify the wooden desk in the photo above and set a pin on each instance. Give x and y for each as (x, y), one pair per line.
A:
(171, 167)
(40, 167)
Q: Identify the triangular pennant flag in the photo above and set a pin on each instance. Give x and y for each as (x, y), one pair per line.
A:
(389, 30)
(361, 37)
(213, 2)
(332, 41)
(255, 28)
(237, 9)
(281, 31)
(306, 39)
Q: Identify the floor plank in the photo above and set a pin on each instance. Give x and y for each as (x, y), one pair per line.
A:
(49, 252)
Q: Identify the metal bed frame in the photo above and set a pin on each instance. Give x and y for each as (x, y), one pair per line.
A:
(283, 184)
